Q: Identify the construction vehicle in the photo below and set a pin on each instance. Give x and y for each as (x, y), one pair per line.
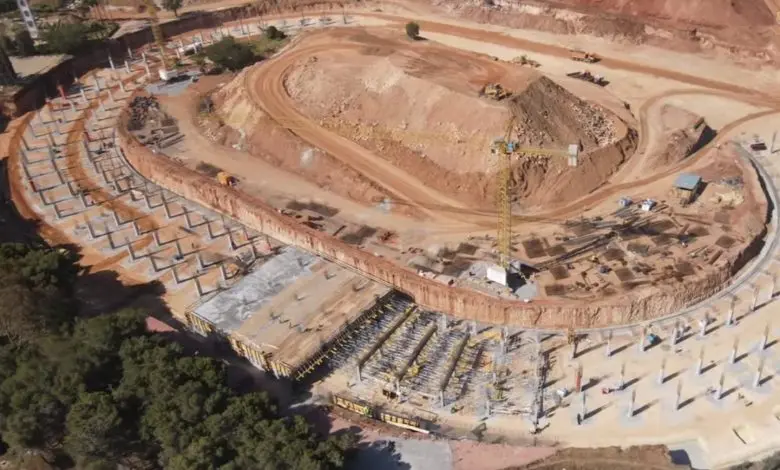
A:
(524, 60)
(495, 91)
(589, 77)
(582, 56)
(166, 71)
(226, 179)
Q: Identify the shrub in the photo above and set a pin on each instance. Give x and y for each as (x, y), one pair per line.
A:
(413, 30)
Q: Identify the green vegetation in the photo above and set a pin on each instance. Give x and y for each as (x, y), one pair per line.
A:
(101, 392)
(230, 54)
(274, 33)
(25, 46)
(172, 5)
(265, 45)
(413, 30)
(72, 38)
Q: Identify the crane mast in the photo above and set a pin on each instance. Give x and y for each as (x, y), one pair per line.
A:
(505, 149)
(159, 39)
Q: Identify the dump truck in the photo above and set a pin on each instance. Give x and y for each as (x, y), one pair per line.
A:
(494, 91)
(588, 77)
(226, 179)
(582, 56)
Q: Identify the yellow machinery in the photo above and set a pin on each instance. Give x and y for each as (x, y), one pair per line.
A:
(495, 91)
(166, 71)
(226, 179)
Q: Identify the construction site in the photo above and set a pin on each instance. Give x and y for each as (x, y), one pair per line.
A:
(466, 233)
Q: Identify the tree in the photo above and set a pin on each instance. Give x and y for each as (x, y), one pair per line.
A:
(230, 54)
(66, 38)
(413, 30)
(275, 34)
(24, 42)
(172, 5)
(96, 431)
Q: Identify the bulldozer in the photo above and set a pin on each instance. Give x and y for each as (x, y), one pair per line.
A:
(494, 91)
(226, 179)
(582, 56)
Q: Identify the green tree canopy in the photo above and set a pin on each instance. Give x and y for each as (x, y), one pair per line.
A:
(66, 38)
(413, 30)
(172, 5)
(230, 54)
(274, 33)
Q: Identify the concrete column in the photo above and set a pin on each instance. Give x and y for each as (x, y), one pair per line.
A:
(198, 286)
(608, 350)
(661, 372)
(146, 67)
(764, 338)
(359, 373)
(201, 265)
(83, 96)
(733, 355)
(700, 361)
(177, 246)
(730, 318)
(167, 209)
(122, 86)
(127, 67)
(97, 83)
(631, 401)
(719, 392)
(574, 348)
(92, 234)
(129, 53)
(756, 291)
(223, 272)
(583, 405)
(187, 220)
(622, 379)
(703, 326)
(111, 62)
(642, 335)
(772, 291)
(677, 395)
(759, 369)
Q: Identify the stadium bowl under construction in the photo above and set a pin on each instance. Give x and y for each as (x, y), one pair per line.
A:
(407, 221)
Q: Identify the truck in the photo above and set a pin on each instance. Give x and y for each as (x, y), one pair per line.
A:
(589, 77)
(582, 56)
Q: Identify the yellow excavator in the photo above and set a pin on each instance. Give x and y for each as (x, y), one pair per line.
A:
(226, 179)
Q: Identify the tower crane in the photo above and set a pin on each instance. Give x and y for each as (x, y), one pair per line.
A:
(166, 71)
(505, 147)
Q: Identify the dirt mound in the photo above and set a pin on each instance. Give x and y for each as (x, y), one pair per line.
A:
(419, 108)
(683, 133)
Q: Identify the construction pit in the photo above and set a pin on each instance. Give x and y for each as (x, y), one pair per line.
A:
(383, 145)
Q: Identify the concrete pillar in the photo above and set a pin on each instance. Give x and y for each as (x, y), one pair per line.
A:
(677, 394)
(730, 317)
(700, 361)
(772, 291)
(223, 272)
(127, 67)
(642, 336)
(167, 209)
(129, 53)
(146, 67)
(753, 304)
(83, 96)
(441, 398)
(661, 372)
(187, 220)
(608, 350)
(759, 369)
(631, 401)
(583, 405)
(703, 326)
(122, 86)
(733, 355)
(198, 286)
(622, 378)
(111, 62)
(719, 392)
(359, 373)
(764, 338)
(201, 265)
(574, 348)
(97, 83)
(91, 229)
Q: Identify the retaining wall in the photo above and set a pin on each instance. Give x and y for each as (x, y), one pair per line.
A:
(460, 302)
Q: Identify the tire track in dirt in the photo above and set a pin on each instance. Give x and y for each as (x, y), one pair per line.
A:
(266, 88)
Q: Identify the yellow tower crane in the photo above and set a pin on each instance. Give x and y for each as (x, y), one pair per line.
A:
(505, 148)
(166, 71)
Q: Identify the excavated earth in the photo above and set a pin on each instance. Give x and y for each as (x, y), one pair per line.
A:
(420, 108)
